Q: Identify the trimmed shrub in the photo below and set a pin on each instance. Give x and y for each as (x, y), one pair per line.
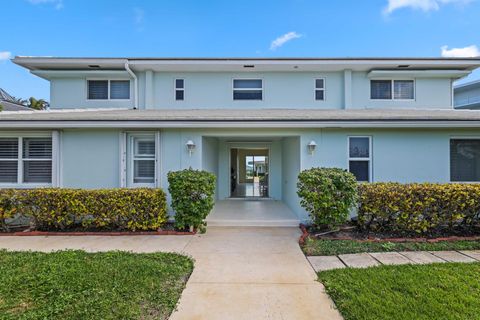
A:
(8, 207)
(327, 194)
(418, 208)
(192, 194)
(107, 209)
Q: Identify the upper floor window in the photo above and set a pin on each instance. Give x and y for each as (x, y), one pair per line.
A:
(465, 160)
(320, 89)
(26, 160)
(179, 89)
(359, 156)
(392, 89)
(108, 89)
(247, 89)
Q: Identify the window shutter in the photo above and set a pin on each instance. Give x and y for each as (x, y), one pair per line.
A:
(403, 89)
(37, 160)
(8, 168)
(119, 89)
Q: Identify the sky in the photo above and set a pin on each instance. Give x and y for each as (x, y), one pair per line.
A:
(247, 28)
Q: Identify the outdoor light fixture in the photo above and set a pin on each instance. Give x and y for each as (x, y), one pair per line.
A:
(311, 146)
(190, 147)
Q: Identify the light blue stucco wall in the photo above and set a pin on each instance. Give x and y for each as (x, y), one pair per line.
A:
(290, 169)
(90, 158)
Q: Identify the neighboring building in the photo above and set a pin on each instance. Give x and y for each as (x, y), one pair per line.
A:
(467, 95)
(384, 119)
(8, 103)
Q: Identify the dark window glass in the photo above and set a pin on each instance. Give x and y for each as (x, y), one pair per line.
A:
(179, 83)
(247, 95)
(464, 160)
(359, 170)
(319, 83)
(247, 84)
(319, 95)
(8, 148)
(37, 171)
(403, 89)
(179, 94)
(97, 89)
(381, 89)
(8, 171)
(359, 147)
(119, 89)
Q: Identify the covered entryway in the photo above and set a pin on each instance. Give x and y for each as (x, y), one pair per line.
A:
(249, 174)
(266, 213)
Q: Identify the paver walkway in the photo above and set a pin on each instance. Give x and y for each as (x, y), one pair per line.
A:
(363, 260)
(240, 273)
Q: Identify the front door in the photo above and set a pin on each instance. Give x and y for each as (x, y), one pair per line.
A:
(249, 173)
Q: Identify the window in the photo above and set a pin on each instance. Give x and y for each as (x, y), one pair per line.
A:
(143, 159)
(108, 89)
(320, 89)
(247, 89)
(359, 153)
(179, 89)
(465, 160)
(382, 89)
(26, 160)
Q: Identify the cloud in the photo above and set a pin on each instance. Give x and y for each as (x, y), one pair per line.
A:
(280, 41)
(5, 55)
(139, 17)
(58, 4)
(466, 52)
(424, 5)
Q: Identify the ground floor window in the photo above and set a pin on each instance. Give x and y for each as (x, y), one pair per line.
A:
(26, 160)
(359, 157)
(465, 160)
(142, 152)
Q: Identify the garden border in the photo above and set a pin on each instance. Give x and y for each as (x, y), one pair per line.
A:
(99, 233)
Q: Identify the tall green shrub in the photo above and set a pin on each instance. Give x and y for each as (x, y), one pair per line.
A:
(192, 194)
(327, 194)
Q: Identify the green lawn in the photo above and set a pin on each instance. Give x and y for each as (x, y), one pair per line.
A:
(437, 291)
(316, 247)
(78, 285)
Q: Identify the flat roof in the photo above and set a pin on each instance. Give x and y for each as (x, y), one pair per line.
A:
(246, 63)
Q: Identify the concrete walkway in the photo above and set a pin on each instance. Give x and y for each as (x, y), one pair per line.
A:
(364, 260)
(240, 273)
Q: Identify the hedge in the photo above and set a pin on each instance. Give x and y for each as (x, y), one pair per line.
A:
(192, 194)
(327, 194)
(105, 209)
(418, 208)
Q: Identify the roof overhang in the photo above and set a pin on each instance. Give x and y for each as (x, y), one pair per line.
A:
(247, 64)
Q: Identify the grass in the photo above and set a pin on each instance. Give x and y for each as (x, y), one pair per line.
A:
(316, 247)
(80, 285)
(437, 291)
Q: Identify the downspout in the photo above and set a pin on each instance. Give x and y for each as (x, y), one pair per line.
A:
(135, 84)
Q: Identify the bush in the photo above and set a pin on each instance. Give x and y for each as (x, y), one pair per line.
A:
(108, 209)
(327, 194)
(8, 207)
(192, 194)
(418, 208)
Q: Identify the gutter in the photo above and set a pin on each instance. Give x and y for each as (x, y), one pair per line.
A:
(135, 84)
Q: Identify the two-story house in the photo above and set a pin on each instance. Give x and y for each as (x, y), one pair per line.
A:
(255, 123)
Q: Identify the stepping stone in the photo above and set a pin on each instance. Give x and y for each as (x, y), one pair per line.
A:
(358, 260)
(452, 256)
(322, 263)
(421, 257)
(475, 254)
(391, 258)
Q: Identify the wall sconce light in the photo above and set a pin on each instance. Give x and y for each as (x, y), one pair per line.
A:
(311, 146)
(190, 147)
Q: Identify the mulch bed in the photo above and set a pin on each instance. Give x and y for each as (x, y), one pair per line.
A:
(350, 232)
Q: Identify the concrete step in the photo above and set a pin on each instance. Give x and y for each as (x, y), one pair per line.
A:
(253, 223)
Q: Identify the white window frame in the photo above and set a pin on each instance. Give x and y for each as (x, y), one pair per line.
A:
(108, 89)
(262, 89)
(450, 159)
(131, 136)
(369, 159)
(392, 82)
(178, 89)
(55, 179)
(315, 89)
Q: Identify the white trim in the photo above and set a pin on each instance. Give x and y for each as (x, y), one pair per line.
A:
(368, 159)
(123, 159)
(392, 83)
(315, 89)
(108, 89)
(246, 89)
(175, 89)
(158, 164)
(56, 158)
(135, 83)
(131, 136)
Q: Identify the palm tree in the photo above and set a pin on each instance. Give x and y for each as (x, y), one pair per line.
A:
(37, 104)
